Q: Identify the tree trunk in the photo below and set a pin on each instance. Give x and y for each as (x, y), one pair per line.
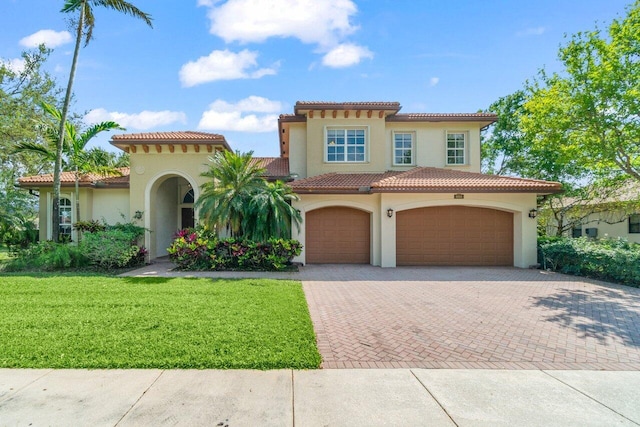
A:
(57, 169)
(77, 202)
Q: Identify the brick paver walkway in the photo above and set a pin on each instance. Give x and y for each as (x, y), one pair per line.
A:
(500, 318)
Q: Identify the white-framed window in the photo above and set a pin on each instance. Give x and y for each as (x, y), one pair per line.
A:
(404, 148)
(456, 148)
(66, 214)
(66, 221)
(346, 145)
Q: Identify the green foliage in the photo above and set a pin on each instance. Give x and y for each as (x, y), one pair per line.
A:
(194, 249)
(89, 226)
(21, 92)
(104, 247)
(238, 197)
(233, 179)
(589, 112)
(614, 260)
(95, 322)
(84, 28)
(115, 247)
(270, 212)
(48, 256)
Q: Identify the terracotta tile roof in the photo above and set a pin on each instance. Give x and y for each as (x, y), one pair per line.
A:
(68, 179)
(277, 167)
(339, 182)
(443, 117)
(292, 118)
(424, 180)
(187, 136)
(175, 137)
(324, 105)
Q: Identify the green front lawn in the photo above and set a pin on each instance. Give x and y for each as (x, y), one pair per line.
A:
(72, 321)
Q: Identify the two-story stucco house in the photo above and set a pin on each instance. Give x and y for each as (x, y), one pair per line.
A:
(376, 187)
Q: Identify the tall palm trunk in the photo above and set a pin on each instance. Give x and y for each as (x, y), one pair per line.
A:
(77, 201)
(57, 170)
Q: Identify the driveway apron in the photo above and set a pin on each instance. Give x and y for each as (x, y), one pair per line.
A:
(460, 318)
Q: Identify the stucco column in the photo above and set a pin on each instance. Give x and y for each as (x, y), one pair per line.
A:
(387, 233)
(525, 235)
(299, 235)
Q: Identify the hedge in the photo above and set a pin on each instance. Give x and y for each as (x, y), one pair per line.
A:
(197, 249)
(614, 260)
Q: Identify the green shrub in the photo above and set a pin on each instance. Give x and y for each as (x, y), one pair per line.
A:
(48, 256)
(614, 260)
(198, 249)
(113, 248)
(89, 226)
(18, 234)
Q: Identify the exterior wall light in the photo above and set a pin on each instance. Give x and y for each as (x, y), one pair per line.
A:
(533, 213)
(389, 212)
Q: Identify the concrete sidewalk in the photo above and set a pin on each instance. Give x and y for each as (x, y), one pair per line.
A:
(345, 397)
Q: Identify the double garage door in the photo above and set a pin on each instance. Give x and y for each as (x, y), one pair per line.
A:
(443, 235)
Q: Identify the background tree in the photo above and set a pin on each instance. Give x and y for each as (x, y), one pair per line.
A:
(21, 92)
(76, 156)
(589, 111)
(580, 126)
(84, 30)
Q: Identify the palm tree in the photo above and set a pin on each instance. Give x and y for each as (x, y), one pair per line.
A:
(80, 159)
(76, 156)
(235, 178)
(272, 213)
(85, 25)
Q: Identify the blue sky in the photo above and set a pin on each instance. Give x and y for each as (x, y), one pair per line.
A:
(232, 66)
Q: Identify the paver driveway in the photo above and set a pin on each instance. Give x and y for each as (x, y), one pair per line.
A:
(441, 317)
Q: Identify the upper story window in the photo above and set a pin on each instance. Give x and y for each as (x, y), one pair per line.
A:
(403, 148)
(634, 223)
(346, 145)
(456, 148)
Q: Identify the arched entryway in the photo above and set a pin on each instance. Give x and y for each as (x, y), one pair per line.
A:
(171, 208)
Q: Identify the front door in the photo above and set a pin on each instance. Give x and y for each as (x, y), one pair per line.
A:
(187, 218)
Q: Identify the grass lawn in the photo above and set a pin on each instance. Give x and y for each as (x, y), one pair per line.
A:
(75, 321)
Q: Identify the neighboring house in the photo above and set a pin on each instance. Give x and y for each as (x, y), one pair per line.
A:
(613, 214)
(376, 187)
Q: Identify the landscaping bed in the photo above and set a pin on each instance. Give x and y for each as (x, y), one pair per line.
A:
(613, 260)
(77, 321)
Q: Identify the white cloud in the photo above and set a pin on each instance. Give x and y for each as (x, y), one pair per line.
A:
(223, 65)
(346, 55)
(537, 31)
(434, 81)
(50, 38)
(16, 64)
(225, 116)
(143, 120)
(311, 21)
(325, 23)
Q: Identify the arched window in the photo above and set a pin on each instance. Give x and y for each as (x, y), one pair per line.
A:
(189, 197)
(65, 217)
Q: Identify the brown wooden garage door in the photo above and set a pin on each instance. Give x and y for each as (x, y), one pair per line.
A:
(337, 235)
(454, 235)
